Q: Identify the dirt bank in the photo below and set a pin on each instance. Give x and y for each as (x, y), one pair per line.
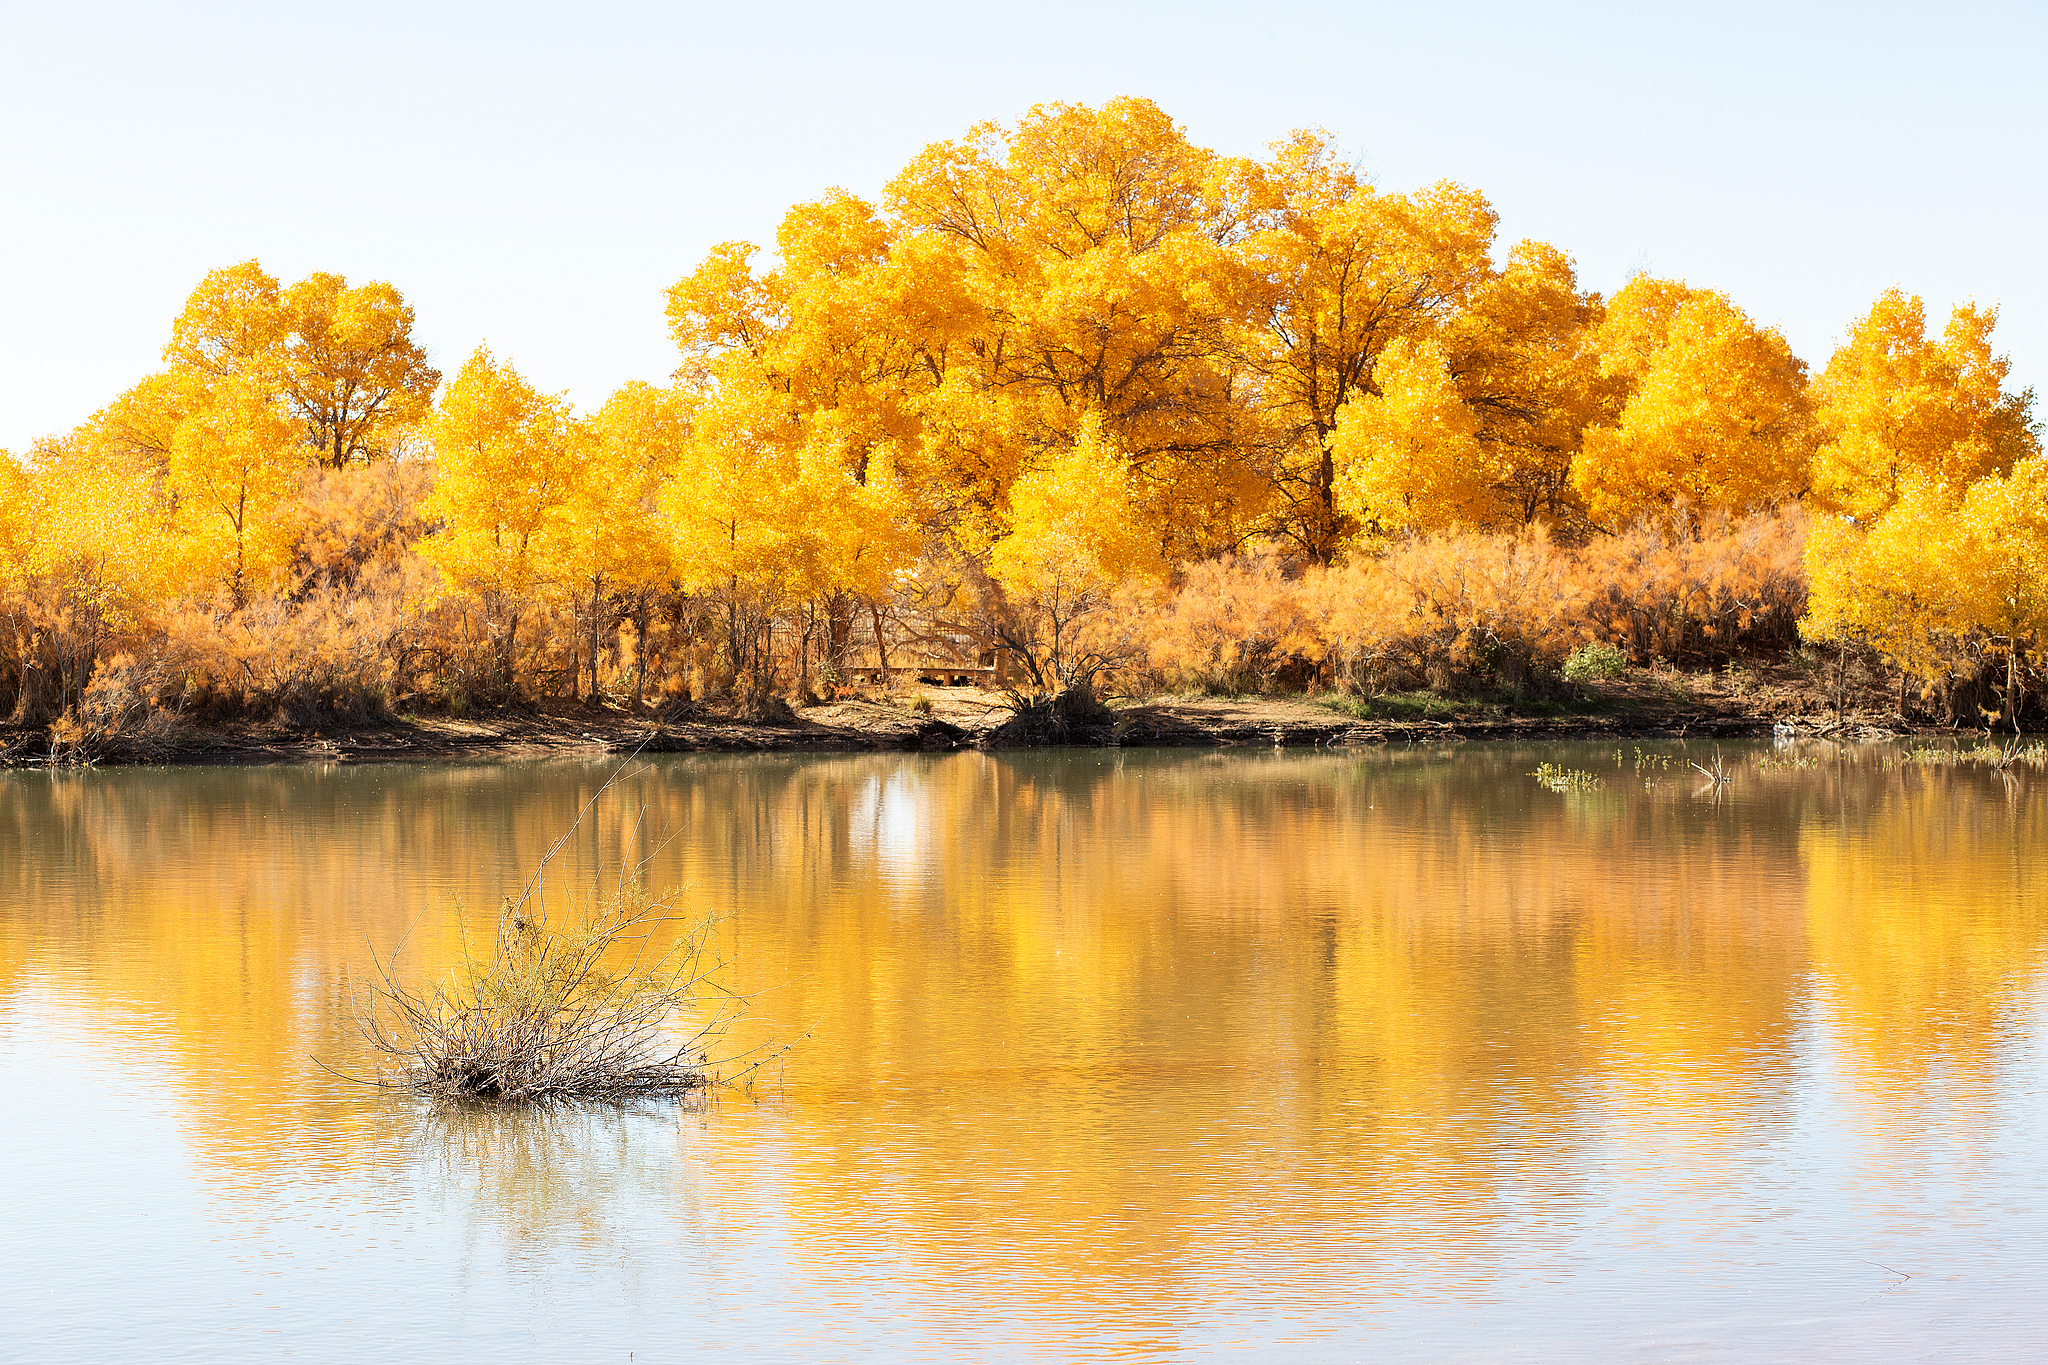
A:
(1646, 705)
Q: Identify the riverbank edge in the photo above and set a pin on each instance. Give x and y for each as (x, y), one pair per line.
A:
(943, 719)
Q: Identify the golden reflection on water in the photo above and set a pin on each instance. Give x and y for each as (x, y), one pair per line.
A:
(1927, 912)
(1118, 1031)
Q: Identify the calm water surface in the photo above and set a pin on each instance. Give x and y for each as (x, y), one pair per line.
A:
(1390, 1055)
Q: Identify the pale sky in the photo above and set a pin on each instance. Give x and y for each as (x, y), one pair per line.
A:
(537, 176)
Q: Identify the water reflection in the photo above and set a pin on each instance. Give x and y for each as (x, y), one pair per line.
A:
(1160, 1047)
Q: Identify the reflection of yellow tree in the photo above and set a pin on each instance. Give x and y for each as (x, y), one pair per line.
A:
(1342, 968)
(233, 925)
(1082, 1020)
(1927, 925)
(1109, 998)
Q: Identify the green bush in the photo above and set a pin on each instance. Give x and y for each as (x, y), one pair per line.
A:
(1595, 661)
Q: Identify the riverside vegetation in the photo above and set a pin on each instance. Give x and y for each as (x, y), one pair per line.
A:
(1076, 407)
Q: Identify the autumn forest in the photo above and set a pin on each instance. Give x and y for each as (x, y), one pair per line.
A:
(1078, 404)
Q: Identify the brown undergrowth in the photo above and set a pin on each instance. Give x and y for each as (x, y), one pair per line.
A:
(1462, 611)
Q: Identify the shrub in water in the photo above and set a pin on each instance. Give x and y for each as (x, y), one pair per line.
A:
(573, 1001)
(565, 1005)
(1553, 778)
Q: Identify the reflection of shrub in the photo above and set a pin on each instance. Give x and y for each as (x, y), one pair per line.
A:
(1595, 661)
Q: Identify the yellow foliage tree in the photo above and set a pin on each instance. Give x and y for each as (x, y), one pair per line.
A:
(341, 358)
(1072, 269)
(350, 368)
(14, 494)
(1477, 427)
(1076, 534)
(1411, 458)
(2000, 563)
(1895, 405)
(766, 513)
(1054, 359)
(1935, 555)
(1526, 361)
(1716, 418)
(1213, 315)
(230, 472)
(84, 558)
(509, 460)
(1333, 274)
(1935, 583)
(233, 323)
(617, 551)
(1888, 585)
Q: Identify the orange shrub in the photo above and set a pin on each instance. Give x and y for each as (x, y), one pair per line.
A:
(1444, 610)
(1465, 608)
(1236, 624)
(350, 518)
(338, 650)
(1698, 591)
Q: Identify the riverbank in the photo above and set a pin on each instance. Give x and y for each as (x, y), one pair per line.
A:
(1645, 705)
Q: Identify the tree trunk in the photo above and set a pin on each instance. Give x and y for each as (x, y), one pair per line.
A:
(881, 645)
(2012, 682)
(840, 610)
(596, 631)
(641, 613)
(509, 664)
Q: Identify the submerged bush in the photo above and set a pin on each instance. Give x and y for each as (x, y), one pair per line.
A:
(551, 1012)
(579, 1000)
(1551, 777)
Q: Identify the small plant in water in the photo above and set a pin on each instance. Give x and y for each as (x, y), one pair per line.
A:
(574, 1001)
(1553, 778)
(550, 1012)
(1998, 757)
(1647, 761)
